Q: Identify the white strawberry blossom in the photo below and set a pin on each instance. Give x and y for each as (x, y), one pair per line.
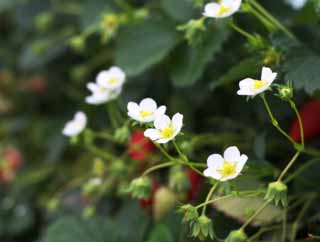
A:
(145, 111)
(227, 167)
(252, 87)
(75, 126)
(221, 8)
(165, 129)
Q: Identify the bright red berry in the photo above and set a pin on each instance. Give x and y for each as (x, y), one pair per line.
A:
(195, 183)
(140, 147)
(310, 115)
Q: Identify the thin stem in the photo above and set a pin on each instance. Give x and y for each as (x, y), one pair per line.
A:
(100, 153)
(241, 31)
(214, 200)
(294, 107)
(213, 188)
(273, 20)
(274, 120)
(111, 114)
(300, 170)
(156, 167)
(263, 206)
(284, 226)
(165, 153)
(294, 158)
(182, 156)
(266, 22)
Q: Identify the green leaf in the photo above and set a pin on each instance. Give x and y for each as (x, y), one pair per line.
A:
(73, 229)
(190, 62)
(179, 10)
(242, 208)
(160, 233)
(145, 44)
(245, 68)
(302, 67)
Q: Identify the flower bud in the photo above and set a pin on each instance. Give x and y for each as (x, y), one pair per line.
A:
(140, 188)
(122, 134)
(109, 26)
(202, 228)
(193, 30)
(237, 236)
(118, 168)
(77, 43)
(190, 213)
(91, 186)
(98, 168)
(285, 92)
(43, 21)
(178, 180)
(277, 193)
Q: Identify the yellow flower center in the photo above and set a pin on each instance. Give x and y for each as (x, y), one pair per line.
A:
(112, 81)
(167, 132)
(144, 114)
(223, 10)
(227, 169)
(258, 84)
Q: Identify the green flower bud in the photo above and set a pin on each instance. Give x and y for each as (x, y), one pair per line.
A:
(98, 168)
(77, 43)
(91, 186)
(277, 193)
(285, 92)
(109, 26)
(88, 212)
(43, 21)
(202, 228)
(118, 168)
(52, 204)
(122, 134)
(178, 181)
(190, 213)
(193, 30)
(140, 188)
(237, 236)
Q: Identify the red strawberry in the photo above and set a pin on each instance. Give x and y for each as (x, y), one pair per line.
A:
(140, 147)
(195, 183)
(145, 203)
(12, 161)
(310, 115)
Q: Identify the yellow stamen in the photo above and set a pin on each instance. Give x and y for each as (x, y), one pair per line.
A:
(167, 132)
(259, 84)
(112, 81)
(144, 114)
(223, 10)
(228, 169)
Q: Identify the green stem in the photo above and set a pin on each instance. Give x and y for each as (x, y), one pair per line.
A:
(165, 153)
(294, 107)
(266, 22)
(241, 31)
(294, 158)
(284, 226)
(263, 206)
(101, 153)
(274, 120)
(111, 114)
(300, 170)
(272, 19)
(156, 167)
(182, 156)
(214, 200)
(210, 193)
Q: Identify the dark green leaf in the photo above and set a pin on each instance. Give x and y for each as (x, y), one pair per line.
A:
(191, 61)
(145, 44)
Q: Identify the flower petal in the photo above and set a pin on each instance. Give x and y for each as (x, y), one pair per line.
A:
(241, 162)
(152, 134)
(231, 154)
(212, 173)
(214, 161)
(148, 104)
(161, 110)
(268, 75)
(177, 122)
(162, 121)
(211, 10)
(133, 108)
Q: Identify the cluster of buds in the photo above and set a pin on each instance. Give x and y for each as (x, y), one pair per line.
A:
(140, 188)
(277, 193)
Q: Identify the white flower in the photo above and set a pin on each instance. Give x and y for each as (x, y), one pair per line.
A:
(146, 111)
(222, 8)
(75, 126)
(112, 78)
(252, 87)
(101, 94)
(296, 4)
(227, 167)
(165, 129)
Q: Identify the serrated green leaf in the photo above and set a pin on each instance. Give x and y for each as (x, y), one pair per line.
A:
(245, 68)
(302, 67)
(191, 61)
(180, 10)
(160, 233)
(145, 44)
